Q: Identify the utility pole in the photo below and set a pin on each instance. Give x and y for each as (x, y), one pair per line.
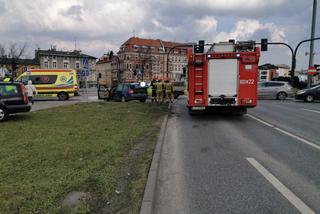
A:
(313, 25)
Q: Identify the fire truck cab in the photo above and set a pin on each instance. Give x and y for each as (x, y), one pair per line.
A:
(225, 77)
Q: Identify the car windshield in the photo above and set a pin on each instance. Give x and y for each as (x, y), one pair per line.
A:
(315, 87)
(8, 90)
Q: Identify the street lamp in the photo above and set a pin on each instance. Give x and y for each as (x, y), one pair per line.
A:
(177, 46)
(111, 56)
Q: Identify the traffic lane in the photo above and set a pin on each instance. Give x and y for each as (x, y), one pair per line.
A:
(211, 170)
(293, 162)
(296, 117)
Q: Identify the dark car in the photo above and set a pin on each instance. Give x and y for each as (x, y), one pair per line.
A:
(13, 99)
(309, 95)
(130, 91)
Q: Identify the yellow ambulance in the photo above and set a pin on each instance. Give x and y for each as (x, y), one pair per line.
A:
(61, 83)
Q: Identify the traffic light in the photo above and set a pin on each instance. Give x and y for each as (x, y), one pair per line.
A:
(317, 67)
(110, 54)
(264, 44)
(200, 47)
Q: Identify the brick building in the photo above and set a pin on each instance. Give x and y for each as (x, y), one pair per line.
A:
(108, 70)
(145, 58)
(54, 59)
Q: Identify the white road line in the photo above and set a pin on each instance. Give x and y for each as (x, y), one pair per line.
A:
(298, 138)
(314, 111)
(285, 132)
(290, 196)
(261, 121)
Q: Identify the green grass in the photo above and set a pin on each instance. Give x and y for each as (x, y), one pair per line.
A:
(46, 154)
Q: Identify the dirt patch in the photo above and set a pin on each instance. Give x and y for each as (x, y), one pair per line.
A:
(74, 198)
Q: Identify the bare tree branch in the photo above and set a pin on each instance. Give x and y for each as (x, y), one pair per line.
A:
(2, 51)
(22, 50)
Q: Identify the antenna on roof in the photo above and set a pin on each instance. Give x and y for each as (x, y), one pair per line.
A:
(75, 43)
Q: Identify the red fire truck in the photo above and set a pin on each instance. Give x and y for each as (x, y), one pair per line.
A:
(225, 77)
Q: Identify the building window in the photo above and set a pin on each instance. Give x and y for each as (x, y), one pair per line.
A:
(77, 65)
(46, 64)
(54, 64)
(66, 65)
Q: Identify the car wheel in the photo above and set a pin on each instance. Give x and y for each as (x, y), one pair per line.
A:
(281, 96)
(143, 100)
(63, 96)
(309, 98)
(3, 114)
(123, 99)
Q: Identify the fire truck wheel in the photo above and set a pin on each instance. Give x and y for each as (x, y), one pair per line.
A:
(239, 111)
(194, 112)
(281, 96)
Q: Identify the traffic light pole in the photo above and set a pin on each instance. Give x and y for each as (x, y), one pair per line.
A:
(294, 53)
(293, 57)
(313, 25)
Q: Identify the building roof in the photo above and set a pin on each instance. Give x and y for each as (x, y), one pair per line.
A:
(267, 66)
(54, 52)
(103, 60)
(150, 42)
(7, 61)
(283, 66)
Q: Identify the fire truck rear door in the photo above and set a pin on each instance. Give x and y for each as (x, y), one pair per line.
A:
(223, 77)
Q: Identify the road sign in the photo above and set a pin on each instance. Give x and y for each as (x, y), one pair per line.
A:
(312, 70)
(84, 72)
(85, 63)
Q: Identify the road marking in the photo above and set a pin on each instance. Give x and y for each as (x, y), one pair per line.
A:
(314, 111)
(290, 196)
(285, 132)
(261, 121)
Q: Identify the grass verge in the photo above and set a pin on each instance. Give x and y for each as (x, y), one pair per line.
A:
(102, 149)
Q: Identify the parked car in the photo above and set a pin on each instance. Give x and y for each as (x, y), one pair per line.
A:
(13, 99)
(130, 91)
(274, 90)
(178, 88)
(309, 95)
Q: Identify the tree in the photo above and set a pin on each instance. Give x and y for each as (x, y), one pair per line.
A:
(12, 55)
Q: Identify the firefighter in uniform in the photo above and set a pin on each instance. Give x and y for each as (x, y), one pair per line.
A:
(154, 89)
(159, 90)
(169, 90)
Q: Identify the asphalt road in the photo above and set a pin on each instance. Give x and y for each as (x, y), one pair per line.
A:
(85, 96)
(217, 163)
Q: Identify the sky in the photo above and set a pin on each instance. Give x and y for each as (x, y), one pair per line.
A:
(99, 26)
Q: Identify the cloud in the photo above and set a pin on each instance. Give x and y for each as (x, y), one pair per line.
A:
(101, 25)
(207, 24)
(74, 12)
(251, 29)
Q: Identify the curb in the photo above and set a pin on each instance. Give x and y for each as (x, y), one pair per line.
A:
(151, 186)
